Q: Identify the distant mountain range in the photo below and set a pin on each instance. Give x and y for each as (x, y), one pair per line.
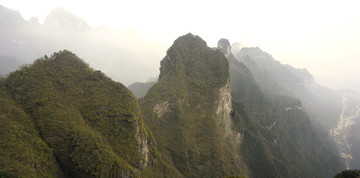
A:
(129, 57)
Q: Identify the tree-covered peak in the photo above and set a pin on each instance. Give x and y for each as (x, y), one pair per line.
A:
(65, 55)
(190, 59)
(89, 121)
(190, 41)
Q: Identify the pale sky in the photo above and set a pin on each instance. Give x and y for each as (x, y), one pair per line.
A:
(320, 35)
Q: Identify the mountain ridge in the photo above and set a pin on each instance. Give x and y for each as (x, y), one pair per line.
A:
(206, 116)
(276, 124)
(101, 129)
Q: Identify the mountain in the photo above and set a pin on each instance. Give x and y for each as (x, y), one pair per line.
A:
(60, 18)
(210, 118)
(22, 151)
(126, 56)
(334, 112)
(73, 121)
(208, 115)
(276, 78)
(279, 139)
(140, 89)
(190, 111)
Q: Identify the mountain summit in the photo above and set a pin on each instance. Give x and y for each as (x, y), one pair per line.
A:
(224, 46)
(61, 18)
(189, 111)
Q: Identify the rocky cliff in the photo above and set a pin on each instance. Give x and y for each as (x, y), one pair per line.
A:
(190, 111)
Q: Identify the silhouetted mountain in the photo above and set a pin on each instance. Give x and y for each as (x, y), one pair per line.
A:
(140, 89)
(66, 21)
(279, 139)
(277, 78)
(330, 111)
(126, 56)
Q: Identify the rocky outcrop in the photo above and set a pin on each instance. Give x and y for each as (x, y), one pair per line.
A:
(224, 46)
(224, 112)
(161, 108)
(224, 109)
(143, 147)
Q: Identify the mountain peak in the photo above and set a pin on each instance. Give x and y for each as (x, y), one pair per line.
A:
(61, 18)
(190, 56)
(193, 97)
(224, 46)
(10, 18)
(189, 41)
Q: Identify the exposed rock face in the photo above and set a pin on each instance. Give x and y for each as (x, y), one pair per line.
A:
(161, 108)
(224, 46)
(189, 111)
(143, 148)
(224, 112)
(224, 109)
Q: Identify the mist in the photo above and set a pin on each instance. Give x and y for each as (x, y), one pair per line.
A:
(303, 34)
(281, 53)
(124, 55)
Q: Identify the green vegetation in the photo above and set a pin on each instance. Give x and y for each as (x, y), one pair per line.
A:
(348, 174)
(237, 176)
(91, 124)
(22, 152)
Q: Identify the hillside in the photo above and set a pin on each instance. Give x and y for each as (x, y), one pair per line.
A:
(280, 79)
(92, 125)
(279, 139)
(22, 151)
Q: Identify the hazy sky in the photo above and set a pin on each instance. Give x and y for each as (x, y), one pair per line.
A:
(320, 35)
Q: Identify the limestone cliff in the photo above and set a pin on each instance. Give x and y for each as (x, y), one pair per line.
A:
(190, 111)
